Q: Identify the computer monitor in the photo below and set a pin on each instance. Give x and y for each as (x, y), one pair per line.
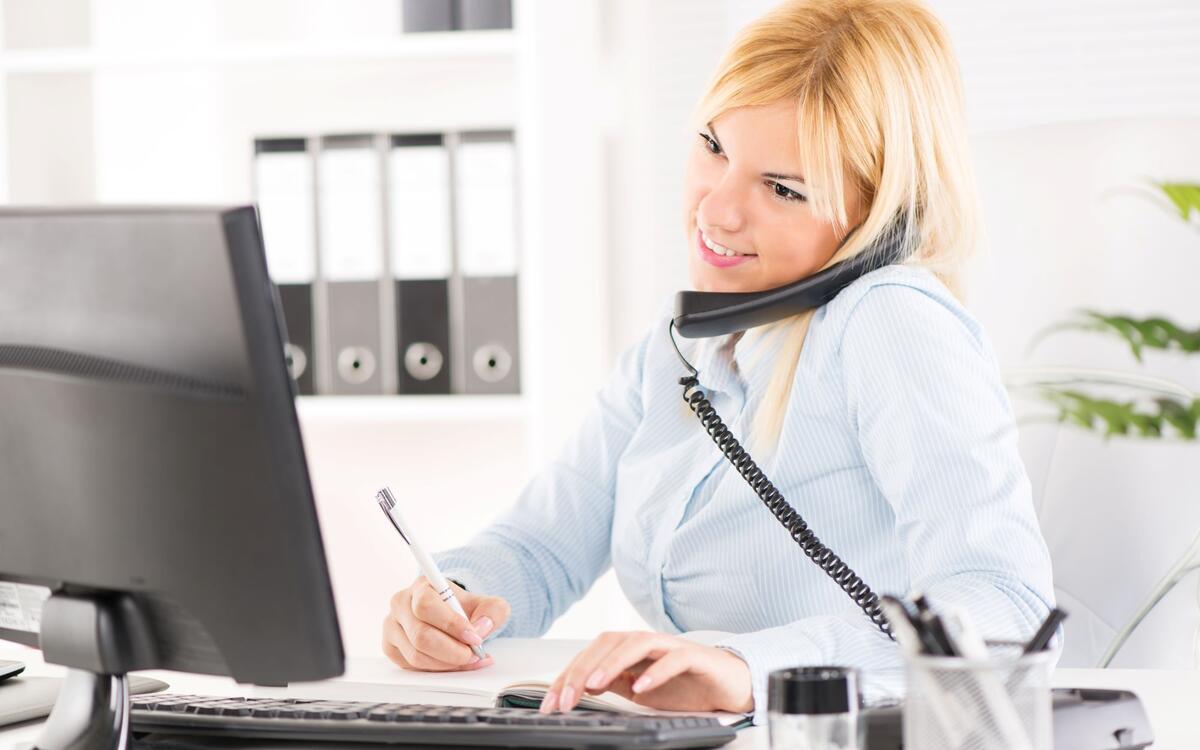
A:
(152, 474)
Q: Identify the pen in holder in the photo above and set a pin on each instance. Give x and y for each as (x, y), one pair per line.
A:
(997, 702)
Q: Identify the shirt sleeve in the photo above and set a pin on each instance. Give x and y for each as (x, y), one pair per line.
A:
(546, 551)
(936, 431)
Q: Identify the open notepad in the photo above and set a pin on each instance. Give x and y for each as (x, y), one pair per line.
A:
(522, 671)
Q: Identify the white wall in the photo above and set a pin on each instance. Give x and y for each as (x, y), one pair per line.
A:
(1072, 223)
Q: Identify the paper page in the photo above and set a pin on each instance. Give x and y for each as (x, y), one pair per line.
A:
(516, 660)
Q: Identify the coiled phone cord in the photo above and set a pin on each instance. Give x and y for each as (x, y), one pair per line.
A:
(825, 558)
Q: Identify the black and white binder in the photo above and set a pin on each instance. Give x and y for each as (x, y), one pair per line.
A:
(283, 189)
(422, 260)
(427, 15)
(350, 221)
(485, 219)
(484, 14)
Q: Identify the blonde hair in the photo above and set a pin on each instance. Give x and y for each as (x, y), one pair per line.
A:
(880, 111)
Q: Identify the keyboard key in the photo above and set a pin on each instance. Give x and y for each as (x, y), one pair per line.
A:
(527, 720)
(346, 714)
(290, 712)
(499, 719)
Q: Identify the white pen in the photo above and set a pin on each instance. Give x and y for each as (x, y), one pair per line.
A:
(942, 706)
(961, 630)
(387, 502)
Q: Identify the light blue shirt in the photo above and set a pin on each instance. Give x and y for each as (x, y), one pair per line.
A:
(898, 447)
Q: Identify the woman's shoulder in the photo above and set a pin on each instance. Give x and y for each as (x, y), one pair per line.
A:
(907, 297)
(909, 300)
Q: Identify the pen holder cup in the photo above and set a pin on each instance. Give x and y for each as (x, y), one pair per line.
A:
(998, 703)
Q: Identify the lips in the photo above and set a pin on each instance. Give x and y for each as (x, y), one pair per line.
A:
(720, 261)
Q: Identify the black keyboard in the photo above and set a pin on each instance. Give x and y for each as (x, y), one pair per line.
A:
(408, 724)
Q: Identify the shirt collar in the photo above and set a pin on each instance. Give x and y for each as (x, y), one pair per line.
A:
(714, 358)
(732, 362)
(739, 361)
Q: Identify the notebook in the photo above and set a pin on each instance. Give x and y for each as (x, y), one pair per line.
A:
(522, 671)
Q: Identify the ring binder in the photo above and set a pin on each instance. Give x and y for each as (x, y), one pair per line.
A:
(422, 260)
(350, 219)
(485, 221)
(283, 189)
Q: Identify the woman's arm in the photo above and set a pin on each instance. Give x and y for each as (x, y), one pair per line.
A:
(547, 550)
(936, 431)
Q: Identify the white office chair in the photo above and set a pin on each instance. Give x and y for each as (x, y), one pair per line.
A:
(1121, 517)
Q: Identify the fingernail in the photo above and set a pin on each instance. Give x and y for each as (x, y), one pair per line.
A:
(474, 658)
(596, 680)
(568, 694)
(549, 702)
(484, 625)
(471, 637)
(642, 683)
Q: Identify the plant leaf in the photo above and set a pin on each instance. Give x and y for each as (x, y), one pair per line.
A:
(1185, 196)
(1139, 334)
(1124, 418)
(1181, 416)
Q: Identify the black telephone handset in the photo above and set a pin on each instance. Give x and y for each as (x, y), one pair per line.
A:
(705, 314)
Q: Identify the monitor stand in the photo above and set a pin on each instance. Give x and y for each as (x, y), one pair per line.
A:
(92, 712)
(99, 637)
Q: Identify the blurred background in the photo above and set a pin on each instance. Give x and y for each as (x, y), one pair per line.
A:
(1085, 121)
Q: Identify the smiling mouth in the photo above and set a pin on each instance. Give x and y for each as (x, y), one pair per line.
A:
(719, 260)
(719, 249)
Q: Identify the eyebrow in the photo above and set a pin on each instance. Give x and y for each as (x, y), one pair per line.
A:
(770, 175)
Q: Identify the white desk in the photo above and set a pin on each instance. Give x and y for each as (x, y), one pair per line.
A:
(1172, 698)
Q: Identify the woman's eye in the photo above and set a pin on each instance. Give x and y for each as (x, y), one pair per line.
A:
(711, 144)
(784, 193)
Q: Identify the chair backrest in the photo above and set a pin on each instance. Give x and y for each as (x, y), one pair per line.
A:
(1117, 515)
(1071, 222)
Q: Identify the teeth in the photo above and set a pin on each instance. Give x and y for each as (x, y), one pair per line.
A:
(718, 249)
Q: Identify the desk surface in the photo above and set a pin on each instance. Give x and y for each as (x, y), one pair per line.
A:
(1171, 697)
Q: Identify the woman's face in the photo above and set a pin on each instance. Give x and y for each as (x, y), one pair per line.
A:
(744, 191)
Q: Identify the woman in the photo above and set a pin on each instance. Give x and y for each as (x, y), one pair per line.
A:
(880, 415)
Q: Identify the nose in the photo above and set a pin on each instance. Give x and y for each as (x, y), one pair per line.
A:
(721, 207)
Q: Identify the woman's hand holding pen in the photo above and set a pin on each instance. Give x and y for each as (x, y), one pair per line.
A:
(421, 632)
(656, 670)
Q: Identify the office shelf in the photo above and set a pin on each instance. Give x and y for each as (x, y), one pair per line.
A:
(429, 46)
(465, 408)
(137, 102)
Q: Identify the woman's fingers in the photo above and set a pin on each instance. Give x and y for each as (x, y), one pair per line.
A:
(630, 653)
(672, 664)
(427, 607)
(414, 643)
(569, 686)
(402, 651)
(488, 613)
(553, 700)
(392, 632)
(607, 658)
(581, 675)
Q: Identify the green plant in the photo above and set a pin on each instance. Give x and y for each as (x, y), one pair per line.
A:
(1166, 415)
